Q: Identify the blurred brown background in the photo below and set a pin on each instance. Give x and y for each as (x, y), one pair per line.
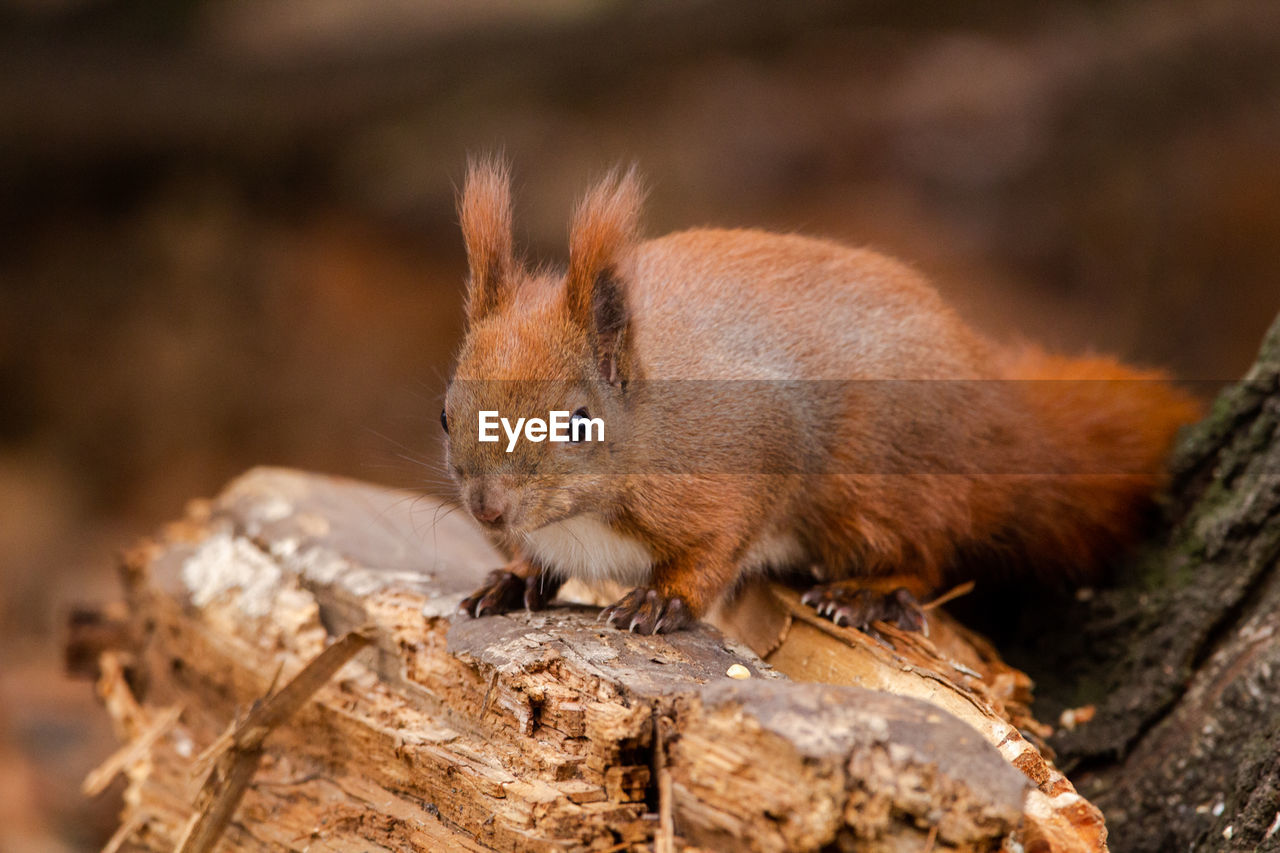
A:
(228, 230)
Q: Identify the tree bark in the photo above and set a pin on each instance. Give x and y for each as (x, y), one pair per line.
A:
(1182, 655)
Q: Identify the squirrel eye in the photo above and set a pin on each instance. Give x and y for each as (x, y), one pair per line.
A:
(576, 433)
(444, 421)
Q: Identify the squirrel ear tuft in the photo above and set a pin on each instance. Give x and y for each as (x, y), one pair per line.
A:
(485, 213)
(605, 226)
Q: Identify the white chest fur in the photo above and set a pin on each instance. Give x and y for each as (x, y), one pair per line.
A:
(585, 547)
(774, 551)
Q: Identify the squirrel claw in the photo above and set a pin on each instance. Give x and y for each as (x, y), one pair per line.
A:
(504, 591)
(859, 608)
(501, 591)
(647, 611)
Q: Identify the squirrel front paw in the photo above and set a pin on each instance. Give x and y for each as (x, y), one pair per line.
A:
(858, 608)
(504, 591)
(647, 611)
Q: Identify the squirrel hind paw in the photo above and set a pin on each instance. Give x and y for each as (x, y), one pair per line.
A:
(647, 611)
(859, 608)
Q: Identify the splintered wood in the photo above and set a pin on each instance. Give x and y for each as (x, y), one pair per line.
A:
(545, 731)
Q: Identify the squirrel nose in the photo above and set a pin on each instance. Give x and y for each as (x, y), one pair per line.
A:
(489, 515)
(488, 506)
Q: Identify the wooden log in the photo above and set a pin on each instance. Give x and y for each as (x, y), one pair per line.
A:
(542, 731)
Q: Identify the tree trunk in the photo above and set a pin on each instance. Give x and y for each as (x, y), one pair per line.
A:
(1182, 655)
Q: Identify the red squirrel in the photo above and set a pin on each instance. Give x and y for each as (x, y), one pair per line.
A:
(771, 402)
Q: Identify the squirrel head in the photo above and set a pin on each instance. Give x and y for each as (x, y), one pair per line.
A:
(539, 342)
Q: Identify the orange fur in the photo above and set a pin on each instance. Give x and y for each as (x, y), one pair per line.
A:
(782, 399)
(485, 215)
(1114, 425)
(605, 225)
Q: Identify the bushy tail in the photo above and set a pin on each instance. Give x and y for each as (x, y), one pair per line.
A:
(1106, 430)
